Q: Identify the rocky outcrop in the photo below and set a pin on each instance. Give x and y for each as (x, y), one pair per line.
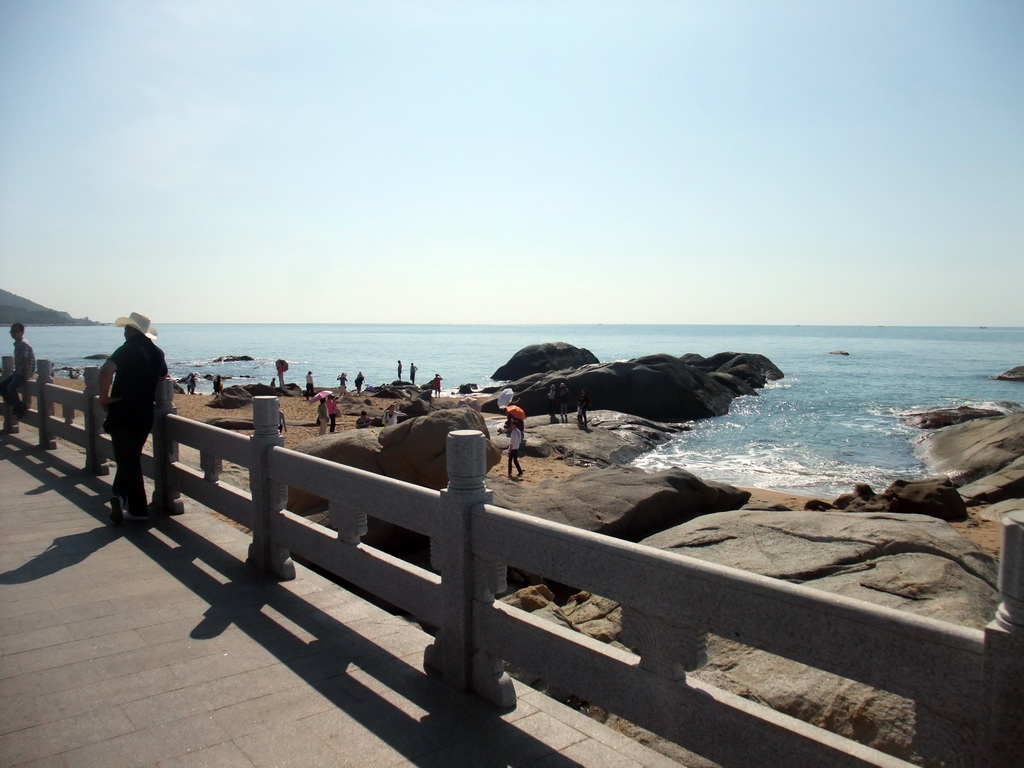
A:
(907, 562)
(624, 502)
(945, 417)
(660, 387)
(613, 438)
(1007, 483)
(970, 451)
(1014, 374)
(756, 370)
(935, 497)
(543, 358)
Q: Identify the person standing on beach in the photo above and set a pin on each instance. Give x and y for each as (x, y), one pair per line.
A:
(390, 417)
(359, 382)
(24, 370)
(282, 366)
(399, 370)
(127, 392)
(412, 373)
(553, 399)
(436, 384)
(515, 440)
(309, 384)
(343, 379)
(332, 410)
(321, 415)
(563, 402)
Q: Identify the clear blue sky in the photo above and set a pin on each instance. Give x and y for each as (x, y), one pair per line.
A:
(798, 162)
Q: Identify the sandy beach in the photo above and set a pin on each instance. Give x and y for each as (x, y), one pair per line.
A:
(300, 418)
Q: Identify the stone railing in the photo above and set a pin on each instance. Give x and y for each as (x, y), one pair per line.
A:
(670, 602)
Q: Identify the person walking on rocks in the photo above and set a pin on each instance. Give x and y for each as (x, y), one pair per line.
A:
(582, 406)
(563, 402)
(127, 392)
(24, 370)
(359, 382)
(343, 379)
(412, 373)
(436, 384)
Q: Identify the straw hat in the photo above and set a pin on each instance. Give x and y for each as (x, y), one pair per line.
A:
(138, 322)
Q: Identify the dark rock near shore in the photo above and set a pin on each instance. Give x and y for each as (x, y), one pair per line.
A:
(233, 359)
(543, 358)
(944, 417)
(660, 387)
(97, 356)
(756, 370)
(934, 497)
(1014, 374)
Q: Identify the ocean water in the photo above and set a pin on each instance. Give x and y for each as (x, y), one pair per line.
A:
(833, 421)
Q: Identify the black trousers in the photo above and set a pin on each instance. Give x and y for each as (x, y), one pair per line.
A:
(128, 443)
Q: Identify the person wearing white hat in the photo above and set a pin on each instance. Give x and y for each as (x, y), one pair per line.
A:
(128, 381)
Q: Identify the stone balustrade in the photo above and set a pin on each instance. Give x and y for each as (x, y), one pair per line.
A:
(670, 602)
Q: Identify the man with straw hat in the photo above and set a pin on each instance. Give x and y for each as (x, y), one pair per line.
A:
(128, 382)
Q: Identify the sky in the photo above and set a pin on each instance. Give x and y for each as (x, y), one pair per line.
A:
(727, 162)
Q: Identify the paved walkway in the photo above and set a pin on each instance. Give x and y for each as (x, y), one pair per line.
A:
(153, 644)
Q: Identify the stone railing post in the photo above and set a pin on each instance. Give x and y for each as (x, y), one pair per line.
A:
(166, 498)
(1004, 654)
(93, 415)
(267, 495)
(463, 580)
(44, 408)
(10, 420)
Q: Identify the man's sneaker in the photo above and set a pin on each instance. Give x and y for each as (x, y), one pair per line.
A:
(129, 516)
(118, 509)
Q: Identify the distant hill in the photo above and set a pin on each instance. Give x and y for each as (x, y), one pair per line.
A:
(15, 309)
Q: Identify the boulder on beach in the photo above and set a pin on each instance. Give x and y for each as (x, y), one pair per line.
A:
(660, 387)
(1007, 483)
(543, 358)
(232, 397)
(967, 452)
(624, 502)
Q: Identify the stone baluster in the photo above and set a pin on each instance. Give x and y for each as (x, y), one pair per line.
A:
(10, 420)
(44, 408)
(267, 495)
(463, 580)
(165, 452)
(94, 416)
(1004, 653)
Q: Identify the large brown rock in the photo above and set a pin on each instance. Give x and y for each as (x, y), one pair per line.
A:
(416, 450)
(231, 398)
(1007, 483)
(624, 502)
(945, 417)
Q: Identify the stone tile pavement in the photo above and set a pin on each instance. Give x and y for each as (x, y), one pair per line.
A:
(153, 644)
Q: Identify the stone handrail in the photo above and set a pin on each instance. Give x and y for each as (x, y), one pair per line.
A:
(670, 602)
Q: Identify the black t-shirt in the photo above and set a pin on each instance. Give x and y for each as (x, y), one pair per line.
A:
(140, 365)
